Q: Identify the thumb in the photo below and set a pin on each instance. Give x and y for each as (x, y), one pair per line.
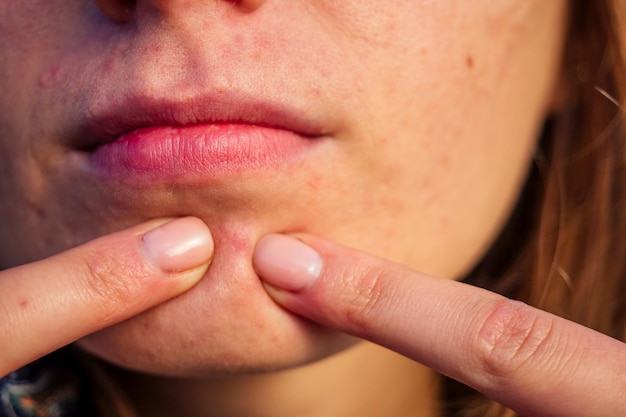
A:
(533, 362)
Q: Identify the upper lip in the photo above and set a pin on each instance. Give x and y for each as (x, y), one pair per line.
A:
(109, 121)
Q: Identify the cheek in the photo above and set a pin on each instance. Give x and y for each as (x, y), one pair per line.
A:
(434, 201)
(449, 128)
(34, 98)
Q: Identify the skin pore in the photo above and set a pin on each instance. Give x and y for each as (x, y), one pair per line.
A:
(427, 114)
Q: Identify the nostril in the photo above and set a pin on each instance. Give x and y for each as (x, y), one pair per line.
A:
(246, 5)
(119, 11)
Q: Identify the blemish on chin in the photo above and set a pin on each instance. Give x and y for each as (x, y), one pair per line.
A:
(240, 241)
(231, 238)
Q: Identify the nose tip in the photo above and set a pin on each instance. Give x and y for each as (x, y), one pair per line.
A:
(124, 11)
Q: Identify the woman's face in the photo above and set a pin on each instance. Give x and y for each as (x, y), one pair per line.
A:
(402, 128)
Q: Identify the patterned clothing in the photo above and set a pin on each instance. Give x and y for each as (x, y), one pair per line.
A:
(54, 386)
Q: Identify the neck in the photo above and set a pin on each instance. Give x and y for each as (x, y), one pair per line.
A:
(365, 380)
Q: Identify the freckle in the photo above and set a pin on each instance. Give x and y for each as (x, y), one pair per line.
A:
(110, 66)
(44, 80)
(315, 90)
(47, 77)
(469, 61)
(313, 185)
(445, 162)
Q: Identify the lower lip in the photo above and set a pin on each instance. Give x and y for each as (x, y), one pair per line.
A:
(210, 150)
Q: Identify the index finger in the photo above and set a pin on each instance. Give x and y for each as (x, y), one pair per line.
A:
(48, 304)
(533, 362)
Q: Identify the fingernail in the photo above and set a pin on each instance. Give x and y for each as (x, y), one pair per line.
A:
(178, 245)
(287, 263)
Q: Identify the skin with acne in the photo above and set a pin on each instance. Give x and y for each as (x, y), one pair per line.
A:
(408, 160)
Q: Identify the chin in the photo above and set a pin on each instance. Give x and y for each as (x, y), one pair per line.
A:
(226, 324)
(291, 343)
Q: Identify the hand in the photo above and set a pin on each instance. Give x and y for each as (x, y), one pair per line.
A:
(51, 303)
(531, 361)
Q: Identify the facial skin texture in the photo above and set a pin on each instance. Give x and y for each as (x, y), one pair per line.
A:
(431, 111)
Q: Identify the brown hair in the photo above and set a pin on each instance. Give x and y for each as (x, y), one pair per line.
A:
(568, 232)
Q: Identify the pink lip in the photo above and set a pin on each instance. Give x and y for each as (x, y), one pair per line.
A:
(203, 150)
(139, 139)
